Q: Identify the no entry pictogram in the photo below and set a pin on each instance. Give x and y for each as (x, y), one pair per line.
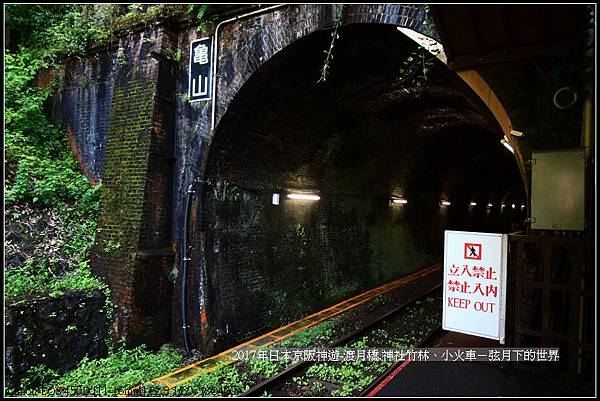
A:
(475, 283)
(473, 251)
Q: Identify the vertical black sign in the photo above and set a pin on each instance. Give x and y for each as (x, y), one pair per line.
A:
(200, 69)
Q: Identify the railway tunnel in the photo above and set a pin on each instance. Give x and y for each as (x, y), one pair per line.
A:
(288, 200)
(390, 161)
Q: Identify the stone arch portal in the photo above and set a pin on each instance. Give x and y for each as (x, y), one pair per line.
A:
(249, 257)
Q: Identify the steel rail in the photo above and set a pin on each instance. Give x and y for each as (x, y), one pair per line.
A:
(288, 372)
(375, 383)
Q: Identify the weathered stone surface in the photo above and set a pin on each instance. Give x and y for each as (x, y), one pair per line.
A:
(239, 287)
(132, 248)
(56, 332)
(253, 266)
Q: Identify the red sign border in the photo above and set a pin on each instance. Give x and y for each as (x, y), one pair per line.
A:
(476, 245)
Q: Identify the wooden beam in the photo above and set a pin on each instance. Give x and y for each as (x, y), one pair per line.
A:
(440, 26)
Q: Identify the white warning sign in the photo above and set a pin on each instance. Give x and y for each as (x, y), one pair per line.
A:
(475, 283)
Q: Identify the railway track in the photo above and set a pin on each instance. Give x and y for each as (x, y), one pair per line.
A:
(287, 374)
(186, 375)
(380, 381)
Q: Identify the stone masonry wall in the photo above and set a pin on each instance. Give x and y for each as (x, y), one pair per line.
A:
(135, 132)
(56, 332)
(82, 106)
(230, 298)
(132, 247)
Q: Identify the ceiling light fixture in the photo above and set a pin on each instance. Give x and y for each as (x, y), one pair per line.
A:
(516, 133)
(311, 197)
(400, 201)
(507, 145)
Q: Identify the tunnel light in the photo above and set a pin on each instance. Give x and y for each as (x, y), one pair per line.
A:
(399, 201)
(275, 199)
(310, 197)
(507, 145)
(472, 204)
(445, 203)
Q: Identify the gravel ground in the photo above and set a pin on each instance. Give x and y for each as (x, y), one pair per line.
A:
(402, 330)
(244, 374)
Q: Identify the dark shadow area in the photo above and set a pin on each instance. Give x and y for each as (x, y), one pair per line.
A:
(361, 138)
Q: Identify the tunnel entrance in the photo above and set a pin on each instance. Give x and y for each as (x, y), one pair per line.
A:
(361, 139)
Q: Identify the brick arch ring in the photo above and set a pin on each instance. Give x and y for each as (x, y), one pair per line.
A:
(276, 27)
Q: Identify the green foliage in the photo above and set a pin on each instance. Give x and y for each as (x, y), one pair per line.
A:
(51, 206)
(39, 375)
(121, 57)
(338, 12)
(135, 15)
(120, 371)
(112, 246)
(300, 381)
(175, 55)
(50, 183)
(418, 63)
(224, 191)
(37, 280)
(124, 368)
(47, 250)
(28, 131)
(346, 375)
(225, 380)
(263, 367)
(55, 31)
(184, 97)
(416, 67)
(134, 8)
(428, 26)
(351, 376)
(201, 20)
(174, 273)
(317, 387)
(319, 333)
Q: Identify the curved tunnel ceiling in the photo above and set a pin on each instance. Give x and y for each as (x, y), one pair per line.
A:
(364, 131)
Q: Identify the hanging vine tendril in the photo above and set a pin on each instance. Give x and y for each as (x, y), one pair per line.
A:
(338, 11)
(418, 63)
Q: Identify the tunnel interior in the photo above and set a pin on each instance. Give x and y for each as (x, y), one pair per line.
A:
(361, 138)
